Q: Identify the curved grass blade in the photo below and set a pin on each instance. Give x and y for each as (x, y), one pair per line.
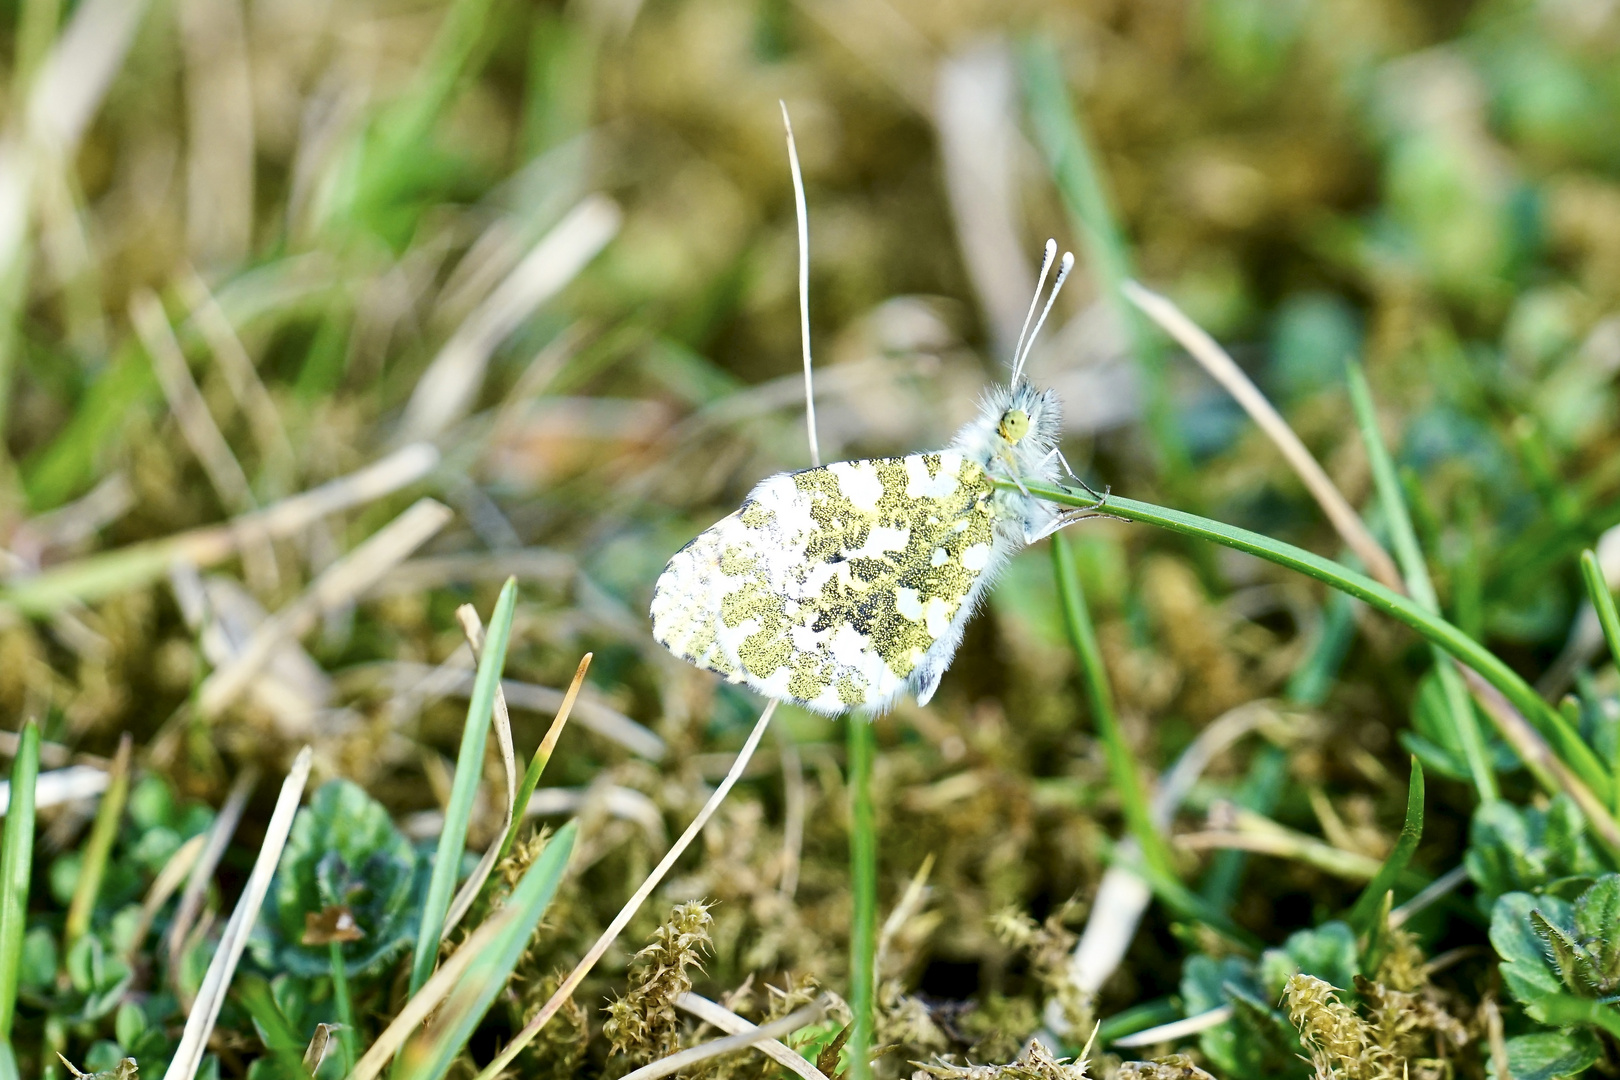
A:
(1464, 722)
(1491, 669)
(1368, 905)
(98, 847)
(16, 863)
(429, 1055)
(542, 756)
(469, 768)
(1597, 587)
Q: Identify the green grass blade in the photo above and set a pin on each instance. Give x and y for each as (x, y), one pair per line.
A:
(344, 1005)
(98, 847)
(1401, 608)
(1464, 721)
(429, 1055)
(16, 864)
(1597, 587)
(1122, 767)
(1060, 134)
(1367, 906)
(863, 884)
(469, 770)
(1149, 1014)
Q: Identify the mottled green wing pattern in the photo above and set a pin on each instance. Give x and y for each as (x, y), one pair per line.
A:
(829, 586)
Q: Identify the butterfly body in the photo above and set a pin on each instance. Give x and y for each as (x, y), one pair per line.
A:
(845, 586)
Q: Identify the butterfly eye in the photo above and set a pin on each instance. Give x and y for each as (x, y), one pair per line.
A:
(1014, 425)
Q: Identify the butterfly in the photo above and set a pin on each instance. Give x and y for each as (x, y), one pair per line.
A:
(845, 586)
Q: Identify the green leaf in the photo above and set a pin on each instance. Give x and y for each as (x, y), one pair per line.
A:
(1550, 1055)
(99, 974)
(429, 1054)
(275, 1029)
(39, 959)
(1597, 925)
(16, 867)
(1525, 966)
(1327, 952)
(469, 770)
(1568, 959)
(343, 851)
(1366, 909)
(130, 1024)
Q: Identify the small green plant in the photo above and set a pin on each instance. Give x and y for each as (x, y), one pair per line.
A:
(1530, 850)
(642, 1024)
(347, 873)
(1258, 1039)
(1561, 962)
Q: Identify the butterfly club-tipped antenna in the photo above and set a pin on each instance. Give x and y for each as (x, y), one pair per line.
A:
(1040, 286)
(1026, 344)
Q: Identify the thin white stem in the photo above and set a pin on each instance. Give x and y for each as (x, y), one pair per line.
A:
(675, 1063)
(631, 906)
(804, 286)
(1177, 1029)
(729, 1022)
(211, 995)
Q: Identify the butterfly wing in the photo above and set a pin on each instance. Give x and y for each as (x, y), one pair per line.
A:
(829, 586)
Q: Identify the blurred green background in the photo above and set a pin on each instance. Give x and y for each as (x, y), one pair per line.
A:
(248, 247)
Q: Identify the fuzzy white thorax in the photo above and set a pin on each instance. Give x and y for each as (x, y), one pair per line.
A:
(1030, 459)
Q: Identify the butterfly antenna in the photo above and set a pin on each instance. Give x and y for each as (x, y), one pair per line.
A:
(1046, 264)
(1057, 286)
(804, 286)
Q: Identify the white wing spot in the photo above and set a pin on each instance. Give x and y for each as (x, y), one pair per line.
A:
(977, 557)
(859, 482)
(939, 558)
(880, 539)
(848, 646)
(919, 485)
(937, 615)
(908, 603)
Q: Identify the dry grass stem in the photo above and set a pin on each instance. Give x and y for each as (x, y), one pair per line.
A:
(1540, 759)
(631, 906)
(473, 628)
(211, 995)
(97, 576)
(340, 583)
(455, 676)
(218, 839)
(803, 216)
(61, 786)
(168, 880)
(1224, 370)
(729, 1022)
(241, 375)
(451, 383)
(1177, 1030)
(787, 1025)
